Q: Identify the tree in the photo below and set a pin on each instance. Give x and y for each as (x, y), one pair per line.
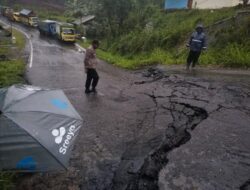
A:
(114, 13)
(111, 15)
(245, 2)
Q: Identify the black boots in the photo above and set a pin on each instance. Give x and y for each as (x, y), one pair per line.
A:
(87, 91)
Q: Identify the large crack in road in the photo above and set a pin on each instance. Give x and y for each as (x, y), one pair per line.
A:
(145, 177)
(155, 115)
(140, 171)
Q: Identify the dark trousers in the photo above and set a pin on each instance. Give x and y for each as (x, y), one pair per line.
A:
(193, 57)
(92, 77)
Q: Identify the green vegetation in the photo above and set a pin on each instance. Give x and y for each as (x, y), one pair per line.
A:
(231, 44)
(54, 15)
(160, 37)
(143, 34)
(44, 12)
(11, 72)
(12, 69)
(134, 33)
(20, 40)
(6, 179)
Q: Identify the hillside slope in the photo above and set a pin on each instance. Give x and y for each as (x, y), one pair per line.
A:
(50, 4)
(154, 36)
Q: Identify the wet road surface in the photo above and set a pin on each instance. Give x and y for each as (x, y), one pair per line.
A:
(156, 128)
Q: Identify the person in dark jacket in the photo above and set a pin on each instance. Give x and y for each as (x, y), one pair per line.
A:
(90, 63)
(197, 43)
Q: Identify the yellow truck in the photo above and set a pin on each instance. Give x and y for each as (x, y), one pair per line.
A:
(16, 17)
(8, 12)
(65, 32)
(28, 17)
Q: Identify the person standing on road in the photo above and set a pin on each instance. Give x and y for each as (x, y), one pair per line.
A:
(90, 63)
(197, 43)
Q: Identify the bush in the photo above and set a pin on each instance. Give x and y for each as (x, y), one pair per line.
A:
(11, 72)
(234, 55)
(6, 181)
(151, 36)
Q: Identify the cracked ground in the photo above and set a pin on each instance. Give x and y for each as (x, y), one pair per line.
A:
(149, 130)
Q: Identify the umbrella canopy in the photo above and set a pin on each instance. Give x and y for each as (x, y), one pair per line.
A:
(38, 128)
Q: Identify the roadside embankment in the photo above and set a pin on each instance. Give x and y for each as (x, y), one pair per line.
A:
(12, 68)
(162, 38)
(12, 65)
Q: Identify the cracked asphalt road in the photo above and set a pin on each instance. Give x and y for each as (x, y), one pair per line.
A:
(150, 129)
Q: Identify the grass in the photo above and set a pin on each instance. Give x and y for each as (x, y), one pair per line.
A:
(237, 56)
(12, 69)
(168, 30)
(20, 39)
(11, 72)
(161, 38)
(6, 179)
(53, 15)
(151, 36)
(134, 62)
(158, 56)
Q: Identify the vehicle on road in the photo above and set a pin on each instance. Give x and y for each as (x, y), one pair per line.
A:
(8, 13)
(16, 17)
(28, 17)
(47, 27)
(65, 32)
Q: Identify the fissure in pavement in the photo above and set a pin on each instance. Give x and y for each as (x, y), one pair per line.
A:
(185, 118)
(246, 185)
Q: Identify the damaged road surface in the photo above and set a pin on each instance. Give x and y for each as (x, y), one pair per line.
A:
(171, 154)
(151, 131)
(146, 130)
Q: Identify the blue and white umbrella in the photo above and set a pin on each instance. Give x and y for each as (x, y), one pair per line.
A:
(38, 128)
